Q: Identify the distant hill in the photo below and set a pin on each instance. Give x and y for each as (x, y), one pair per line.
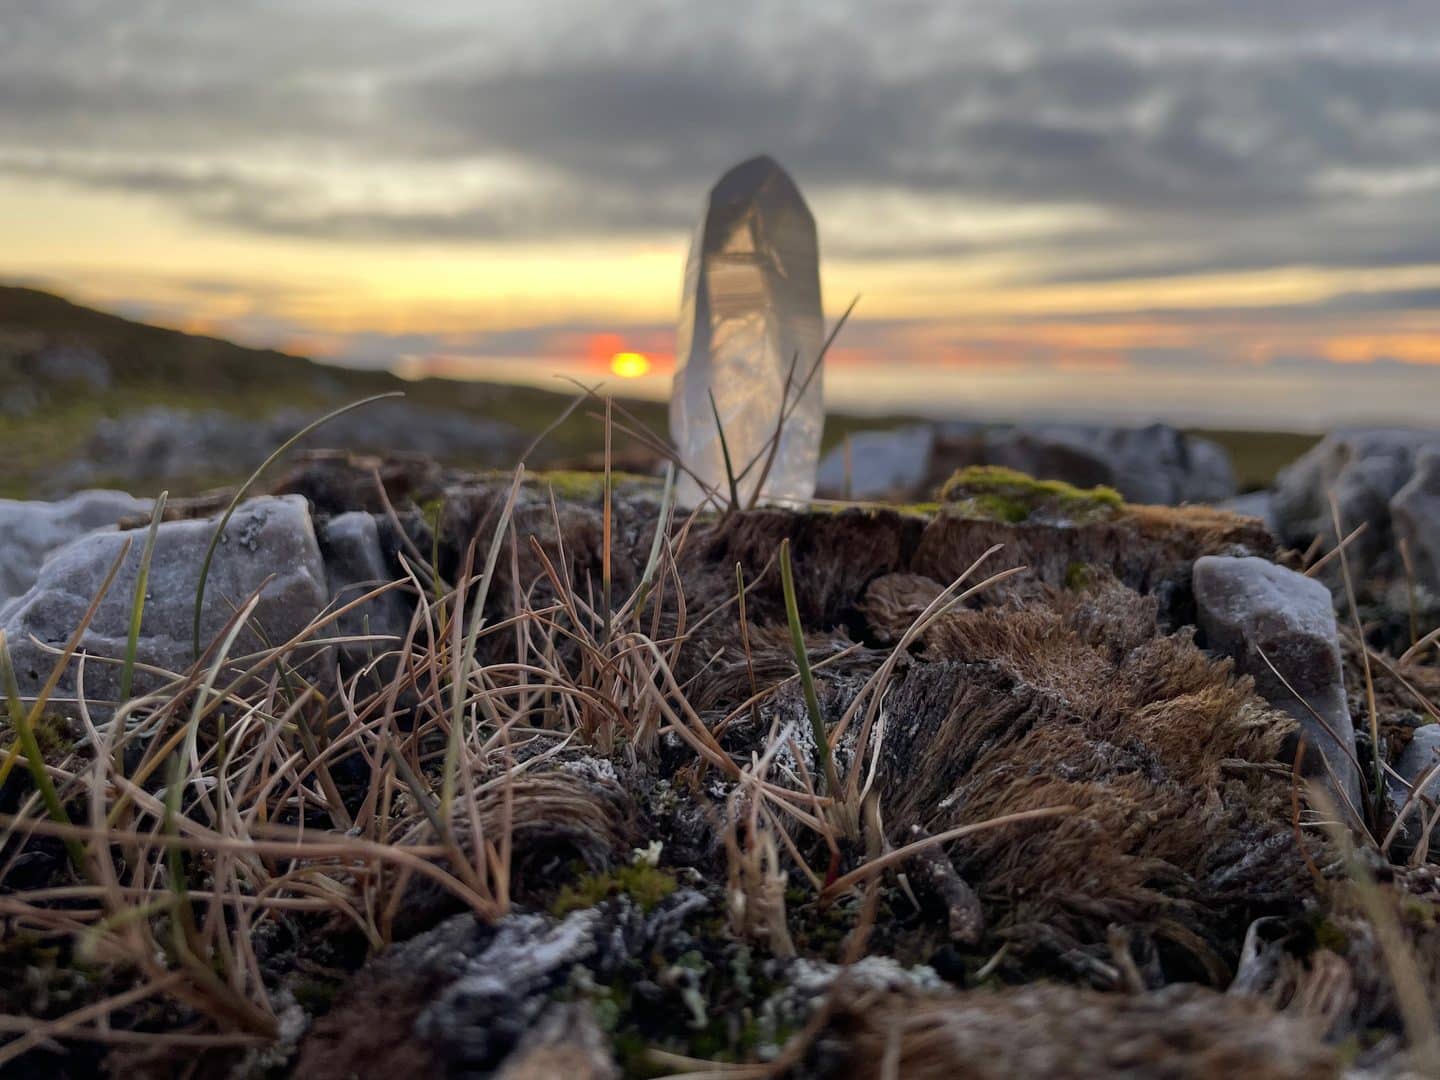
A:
(65, 368)
(139, 353)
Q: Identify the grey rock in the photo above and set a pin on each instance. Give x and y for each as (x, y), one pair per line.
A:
(31, 530)
(160, 443)
(70, 366)
(566, 1042)
(882, 463)
(1256, 504)
(1415, 518)
(1249, 608)
(501, 992)
(1207, 475)
(1422, 755)
(355, 564)
(1365, 468)
(269, 546)
(1156, 464)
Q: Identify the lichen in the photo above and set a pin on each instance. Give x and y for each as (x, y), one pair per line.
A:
(996, 493)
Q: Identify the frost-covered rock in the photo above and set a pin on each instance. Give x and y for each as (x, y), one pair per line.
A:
(269, 546)
(1253, 610)
(31, 530)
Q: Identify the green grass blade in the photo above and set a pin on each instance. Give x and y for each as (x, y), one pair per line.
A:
(807, 679)
(725, 451)
(30, 747)
(137, 603)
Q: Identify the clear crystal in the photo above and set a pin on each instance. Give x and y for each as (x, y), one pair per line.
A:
(750, 323)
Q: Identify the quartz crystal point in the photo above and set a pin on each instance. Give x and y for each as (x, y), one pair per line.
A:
(750, 323)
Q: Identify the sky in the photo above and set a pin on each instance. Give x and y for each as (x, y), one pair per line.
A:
(1217, 210)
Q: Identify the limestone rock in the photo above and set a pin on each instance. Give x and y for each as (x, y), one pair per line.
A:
(1255, 504)
(1156, 465)
(1422, 755)
(882, 463)
(268, 542)
(1249, 606)
(1365, 468)
(31, 530)
(355, 565)
(161, 443)
(565, 1043)
(750, 315)
(1415, 515)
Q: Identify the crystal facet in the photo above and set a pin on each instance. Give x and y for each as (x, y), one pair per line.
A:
(750, 324)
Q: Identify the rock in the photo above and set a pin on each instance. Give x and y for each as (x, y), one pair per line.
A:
(565, 1043)
(750, 316)
(1255, 504)
(463, 998)
(162, 444)
(31, 530)
(356, 564)
(1415, 517)
(1249, 606)
(882, 463)
(1365, 468)
(1156, 465)
(476, 1020)
(1422, 755)
(1207, 474)
(269, 545)
(70, 367)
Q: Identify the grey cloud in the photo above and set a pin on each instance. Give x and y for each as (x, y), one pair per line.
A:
(1205, 127)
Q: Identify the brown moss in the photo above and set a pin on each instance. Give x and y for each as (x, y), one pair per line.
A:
(1061, 1032)
(1077, 702)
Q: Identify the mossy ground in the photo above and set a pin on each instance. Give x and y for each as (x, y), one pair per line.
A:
(996, 493)
(646, 885)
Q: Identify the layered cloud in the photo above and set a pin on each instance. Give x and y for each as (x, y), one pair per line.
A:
(1021, 156)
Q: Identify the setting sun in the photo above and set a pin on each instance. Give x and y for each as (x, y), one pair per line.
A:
(629, 365)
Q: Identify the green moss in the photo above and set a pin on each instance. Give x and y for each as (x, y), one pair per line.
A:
(1329, 936)
(996, 493)
(316, 996)
(53, 734)
(1077, 576)
(644, 884)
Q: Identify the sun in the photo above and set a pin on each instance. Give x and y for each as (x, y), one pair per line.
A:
(629, 365)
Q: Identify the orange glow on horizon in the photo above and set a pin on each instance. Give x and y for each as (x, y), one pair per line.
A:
(629, 365)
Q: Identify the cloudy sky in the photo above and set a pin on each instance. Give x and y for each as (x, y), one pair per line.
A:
(1166, 203)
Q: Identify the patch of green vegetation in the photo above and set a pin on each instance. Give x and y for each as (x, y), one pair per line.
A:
(53, 735)
(1329, 936)
(996, 493)
(919, 509)
(578, 485)
(644, 884)
(1258, 455)
(1077, 576)
(316, 996)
